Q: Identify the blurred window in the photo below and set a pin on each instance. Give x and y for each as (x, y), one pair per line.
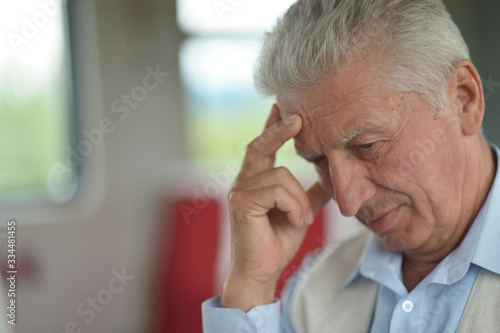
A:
(34, 102)
(223, 110)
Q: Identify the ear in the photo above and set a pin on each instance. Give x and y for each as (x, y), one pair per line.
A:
(466, 97)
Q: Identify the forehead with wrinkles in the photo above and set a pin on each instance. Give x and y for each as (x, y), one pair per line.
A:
(355, 80)
(347, 103)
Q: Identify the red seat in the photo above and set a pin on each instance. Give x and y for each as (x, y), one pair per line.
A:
(186, 277)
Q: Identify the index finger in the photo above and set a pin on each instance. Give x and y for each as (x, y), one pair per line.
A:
(261, 152)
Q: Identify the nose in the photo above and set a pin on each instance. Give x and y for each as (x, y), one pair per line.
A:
(350, 182)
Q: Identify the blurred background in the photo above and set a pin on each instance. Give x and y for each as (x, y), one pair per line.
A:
(122, 126)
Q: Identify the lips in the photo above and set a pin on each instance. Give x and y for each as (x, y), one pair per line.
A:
(382, 222)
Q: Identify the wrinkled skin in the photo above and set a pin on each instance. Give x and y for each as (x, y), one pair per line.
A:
(415, 179)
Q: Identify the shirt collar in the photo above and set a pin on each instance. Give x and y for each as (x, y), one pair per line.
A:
(383, 266)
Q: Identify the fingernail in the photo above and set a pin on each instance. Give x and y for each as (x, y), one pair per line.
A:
(290, 119)
(310, 217)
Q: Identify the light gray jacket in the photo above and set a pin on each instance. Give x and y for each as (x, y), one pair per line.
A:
(317, 305)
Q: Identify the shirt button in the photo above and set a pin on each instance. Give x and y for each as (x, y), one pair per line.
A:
(407, 306)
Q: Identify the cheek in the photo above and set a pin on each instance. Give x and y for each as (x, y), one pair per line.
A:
(417, 179)
(398, 175)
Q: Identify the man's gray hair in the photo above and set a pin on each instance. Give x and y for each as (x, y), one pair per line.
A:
(415, 42)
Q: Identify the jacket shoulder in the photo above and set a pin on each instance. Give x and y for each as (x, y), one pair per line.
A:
(317, 293)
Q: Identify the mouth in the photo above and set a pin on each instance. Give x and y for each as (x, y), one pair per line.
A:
(381, 223)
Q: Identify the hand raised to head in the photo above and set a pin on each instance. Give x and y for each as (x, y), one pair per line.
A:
(270, 212)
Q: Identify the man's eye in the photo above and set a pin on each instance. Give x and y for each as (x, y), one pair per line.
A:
(318, 159)
(369, 151)
(367, 145)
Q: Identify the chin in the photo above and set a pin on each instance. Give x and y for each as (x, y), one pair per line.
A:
(400, 241)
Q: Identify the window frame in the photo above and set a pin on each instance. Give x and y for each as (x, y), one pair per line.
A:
(81, 61)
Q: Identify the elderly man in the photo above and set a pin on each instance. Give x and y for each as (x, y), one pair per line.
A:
(381, 96)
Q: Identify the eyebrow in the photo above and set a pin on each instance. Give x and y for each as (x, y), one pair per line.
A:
(348, 138)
